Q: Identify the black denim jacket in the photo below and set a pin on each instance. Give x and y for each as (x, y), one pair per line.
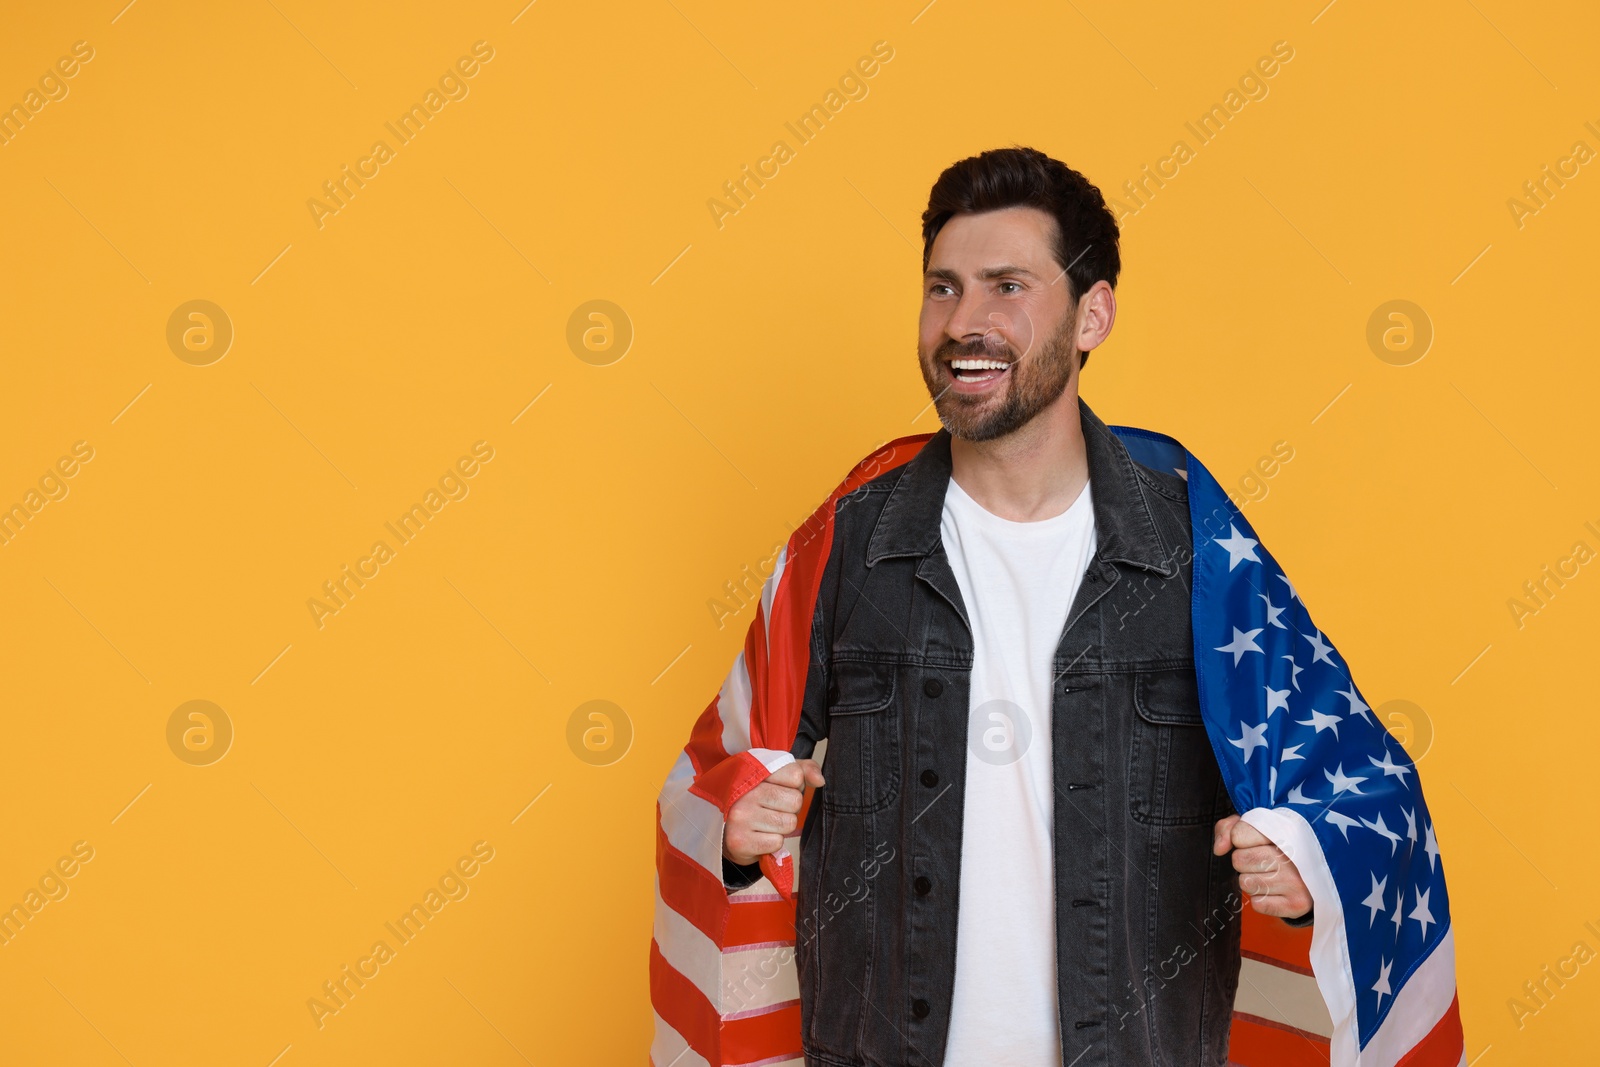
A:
(1147, 919)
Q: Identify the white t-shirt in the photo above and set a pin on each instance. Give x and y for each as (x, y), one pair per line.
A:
(1017, 581)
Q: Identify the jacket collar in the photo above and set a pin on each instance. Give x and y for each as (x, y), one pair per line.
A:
(1124, 527)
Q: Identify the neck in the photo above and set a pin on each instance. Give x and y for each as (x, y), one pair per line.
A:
(1031, 474)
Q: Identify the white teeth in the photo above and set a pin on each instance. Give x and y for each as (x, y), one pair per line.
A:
(978, 364)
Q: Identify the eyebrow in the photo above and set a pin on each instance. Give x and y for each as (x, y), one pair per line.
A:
(987, 274)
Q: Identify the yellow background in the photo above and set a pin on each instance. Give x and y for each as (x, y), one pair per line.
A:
(768, 355)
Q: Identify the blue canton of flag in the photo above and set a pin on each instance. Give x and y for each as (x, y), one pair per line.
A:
(1307, 763)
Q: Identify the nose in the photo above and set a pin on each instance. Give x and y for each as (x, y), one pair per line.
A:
(976, 318)
(988, 318)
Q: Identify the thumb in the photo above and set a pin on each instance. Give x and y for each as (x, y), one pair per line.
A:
(812, 772)
(1222, 835)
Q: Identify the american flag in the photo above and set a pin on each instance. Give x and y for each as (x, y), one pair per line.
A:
(1308, 764)
(1303, 757)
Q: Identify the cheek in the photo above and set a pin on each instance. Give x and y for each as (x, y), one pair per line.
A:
(930, 327)
(1021, 327)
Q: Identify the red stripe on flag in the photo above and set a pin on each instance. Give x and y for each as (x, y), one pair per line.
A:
(705, 740)
(729, 780)
(683, 1007)
(689, 889)
(1257, 1042)
(769, 1036)
(1444, 1044)
(793, 609)
(1271, 940)
(755, 664)
(759, 922)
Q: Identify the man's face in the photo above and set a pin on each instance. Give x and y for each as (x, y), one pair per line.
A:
(995, 337)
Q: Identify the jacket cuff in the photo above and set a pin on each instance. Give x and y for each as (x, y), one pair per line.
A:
(736, 876)
(1304, 920)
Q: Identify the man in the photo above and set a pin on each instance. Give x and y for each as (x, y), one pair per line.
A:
(1019, 818)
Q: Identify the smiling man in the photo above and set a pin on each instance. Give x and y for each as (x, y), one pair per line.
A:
(971, 689)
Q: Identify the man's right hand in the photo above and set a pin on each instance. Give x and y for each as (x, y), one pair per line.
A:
(760, 820)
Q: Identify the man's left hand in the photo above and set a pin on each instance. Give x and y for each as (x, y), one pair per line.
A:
(1271, 879)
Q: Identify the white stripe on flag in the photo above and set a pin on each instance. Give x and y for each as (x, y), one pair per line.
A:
(1330, 952)
(669, 1049)
(769, 590)
(693, 825)
(733, 705)
(772, 758)
(1282, 996)
(1421, 1002)
(688, 951)
(754, 978)
(1418, 1007)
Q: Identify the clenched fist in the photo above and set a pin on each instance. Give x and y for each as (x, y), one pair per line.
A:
(760, 820)
(1271, 879)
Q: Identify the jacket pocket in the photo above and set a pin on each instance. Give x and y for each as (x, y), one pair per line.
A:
(1173, 778)
(863, 763)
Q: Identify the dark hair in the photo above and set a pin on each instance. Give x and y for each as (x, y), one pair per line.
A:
(1086, 241)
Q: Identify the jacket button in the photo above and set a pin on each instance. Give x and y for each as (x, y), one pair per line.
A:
(922, 885)
(930, 779)
(920, 1008)
(933, 687)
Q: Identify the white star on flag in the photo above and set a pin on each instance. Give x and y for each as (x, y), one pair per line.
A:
(1357, 705)
(1383, 831)
(1294, 672)
(1430, 845)
(1290, 752)
(1375, 899)
(1411, 824)
(1421, 912)
(1343, 822)
(1389, 767)
(1251, 738)
(1399, 910)
(1240, 547)
(1319, 650)
(1273, 613)
(1296, 796)
(1242, 642)
(1294, 594)
(1381, 986)
(1276, 698)
(1343, 783)
(1322, 722)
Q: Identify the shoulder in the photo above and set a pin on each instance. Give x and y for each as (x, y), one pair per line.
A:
(879, 470)
(1160, 465)
(860, 496)
(884, 464)
(1164, 486)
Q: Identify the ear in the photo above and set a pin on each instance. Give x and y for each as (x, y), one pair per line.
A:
(1097, 312)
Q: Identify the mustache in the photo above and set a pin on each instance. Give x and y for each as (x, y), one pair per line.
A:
(990, 346)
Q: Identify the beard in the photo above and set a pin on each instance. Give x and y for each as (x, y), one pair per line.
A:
(1036, 382)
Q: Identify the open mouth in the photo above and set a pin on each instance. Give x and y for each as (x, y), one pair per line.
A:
(977, 371)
